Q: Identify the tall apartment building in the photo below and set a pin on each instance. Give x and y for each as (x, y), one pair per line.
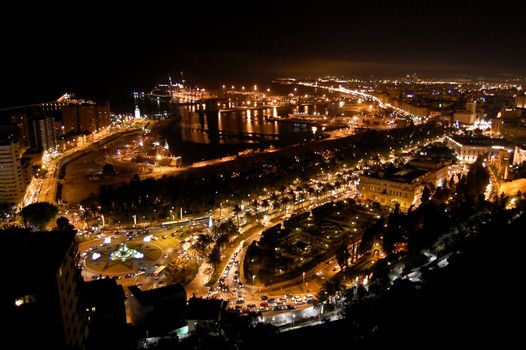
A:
(85, 117)
(43, 302)
(15, 174)
(42, 134)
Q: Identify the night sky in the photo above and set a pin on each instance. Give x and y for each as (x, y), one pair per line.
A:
(105, 52)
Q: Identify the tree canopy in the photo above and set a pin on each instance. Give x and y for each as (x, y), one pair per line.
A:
(39, 214)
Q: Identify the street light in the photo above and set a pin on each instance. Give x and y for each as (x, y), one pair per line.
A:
(253, 277)
(303, 280)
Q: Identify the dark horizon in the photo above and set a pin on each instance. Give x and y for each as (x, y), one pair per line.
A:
(107, 52)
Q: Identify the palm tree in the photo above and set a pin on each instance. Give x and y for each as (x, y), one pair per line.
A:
(321, 298)
(333, 287)
(236, 210)
(285, 201)
(201, 245)
(255, 203)
(265, 204)
(311, 191)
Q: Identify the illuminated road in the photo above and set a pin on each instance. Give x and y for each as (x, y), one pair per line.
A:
(359, 94)
(45, 190)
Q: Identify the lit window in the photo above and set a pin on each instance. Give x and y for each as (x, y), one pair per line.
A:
(26, 299)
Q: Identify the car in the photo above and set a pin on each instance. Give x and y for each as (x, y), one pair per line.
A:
(165, 236)
(240, 301)
(263, 297)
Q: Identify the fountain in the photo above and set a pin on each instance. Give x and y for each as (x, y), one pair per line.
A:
(124, 253)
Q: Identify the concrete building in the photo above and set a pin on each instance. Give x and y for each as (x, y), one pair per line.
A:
(42, 303)
(106, 313)
(438, 171)
(471, 107)
(85, 117)
(203, 311)
(520, 101)
(22, 134)
(464, 117)
(519, 155)
(509, 114)
(15, 173)
(158, 310)
(42, 135)
(501, 160)
(467, 116)
(405, 185)
(467, 149)
(402, 185)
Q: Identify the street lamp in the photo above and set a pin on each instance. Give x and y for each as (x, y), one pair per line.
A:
(303, 280)
(253, 277)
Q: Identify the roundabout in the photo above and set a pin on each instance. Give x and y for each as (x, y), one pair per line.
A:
(122, 258)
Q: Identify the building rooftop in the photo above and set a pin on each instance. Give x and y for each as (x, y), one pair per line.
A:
(205, 309)
(154, 296)
(106, 288)
(402, 175)
(480, 141)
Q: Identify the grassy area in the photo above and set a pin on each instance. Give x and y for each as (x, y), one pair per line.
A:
(301, 244)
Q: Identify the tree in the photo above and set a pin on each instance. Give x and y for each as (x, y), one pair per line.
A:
(265, 204)
(477, 178)
(342, 255)
(370, 234)
(201, 245)
(426, 193)
(237, 210)
(39, 214)
(63, 224)
(452, 181)
(214, 258)
(332, 288)
(108, 169)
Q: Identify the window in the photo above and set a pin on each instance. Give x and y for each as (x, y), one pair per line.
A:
(26, 299)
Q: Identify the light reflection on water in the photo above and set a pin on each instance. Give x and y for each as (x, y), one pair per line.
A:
(200, 136)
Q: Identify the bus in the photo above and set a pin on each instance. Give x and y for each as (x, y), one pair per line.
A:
(159, 271)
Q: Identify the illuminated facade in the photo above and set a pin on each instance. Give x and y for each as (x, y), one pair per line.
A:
(519, 155)
(402, 185)
(464, 117)
(14, 174)
(520, 101)
(42, 134)
(467, 149)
